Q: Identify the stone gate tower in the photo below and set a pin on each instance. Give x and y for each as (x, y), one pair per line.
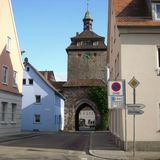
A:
(86, 67)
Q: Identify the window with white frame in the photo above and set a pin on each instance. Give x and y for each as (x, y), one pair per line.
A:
(37, 118)
(3, 111)
(14, 78)
(156, 11)
(13, 112)
(38, 98)
(8, 46)
(5, 75)
(95, 43)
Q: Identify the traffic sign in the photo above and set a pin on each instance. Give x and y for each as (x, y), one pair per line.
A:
(135, 106)
(115, 88)
(135, 112)
(135, 109)
(116, 102)
(134, 83)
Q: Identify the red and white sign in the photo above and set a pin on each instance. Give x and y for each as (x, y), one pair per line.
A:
(115, 88)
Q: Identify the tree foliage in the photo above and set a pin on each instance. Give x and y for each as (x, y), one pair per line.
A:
(99, 96)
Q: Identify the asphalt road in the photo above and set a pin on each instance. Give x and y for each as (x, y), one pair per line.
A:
(65, 141)
(57, 146)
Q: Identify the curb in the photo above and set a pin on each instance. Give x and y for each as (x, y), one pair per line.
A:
(91, 152)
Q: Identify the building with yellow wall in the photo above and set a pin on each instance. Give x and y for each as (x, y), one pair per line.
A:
(11, 72)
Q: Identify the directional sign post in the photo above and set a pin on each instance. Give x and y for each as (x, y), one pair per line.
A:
(134, 83)
(135, 109)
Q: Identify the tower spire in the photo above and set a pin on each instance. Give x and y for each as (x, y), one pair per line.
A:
(87, 19)
(87, 5)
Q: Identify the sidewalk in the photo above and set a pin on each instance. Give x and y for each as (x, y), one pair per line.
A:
(21, 135)
(102, 146)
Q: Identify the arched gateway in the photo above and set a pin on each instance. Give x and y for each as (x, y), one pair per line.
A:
(82, 104)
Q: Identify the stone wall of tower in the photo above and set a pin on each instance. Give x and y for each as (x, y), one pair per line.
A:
(86, 65)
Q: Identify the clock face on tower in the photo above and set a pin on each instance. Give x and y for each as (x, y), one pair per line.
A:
(87, 56)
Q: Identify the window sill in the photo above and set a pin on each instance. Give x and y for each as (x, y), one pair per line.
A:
(5, 83)
(13, 122)
(37, 103)
(8, 51)
(3, 123)
(15, 86)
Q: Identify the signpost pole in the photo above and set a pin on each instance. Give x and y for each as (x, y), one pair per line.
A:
(126, 147)
(134, 123)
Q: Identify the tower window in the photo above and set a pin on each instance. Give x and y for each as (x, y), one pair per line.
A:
(88, 43)
(79, 43)
(95, 43)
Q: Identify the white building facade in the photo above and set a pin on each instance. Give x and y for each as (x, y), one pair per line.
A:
(42, 104)
(133, 50)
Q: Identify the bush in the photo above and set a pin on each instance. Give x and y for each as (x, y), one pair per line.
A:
(99, 96)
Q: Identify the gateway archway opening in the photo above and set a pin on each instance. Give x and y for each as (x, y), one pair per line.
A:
(85, 118)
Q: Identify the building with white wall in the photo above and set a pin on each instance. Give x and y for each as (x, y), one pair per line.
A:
(11, 73)
(134, 50)
(42, 104)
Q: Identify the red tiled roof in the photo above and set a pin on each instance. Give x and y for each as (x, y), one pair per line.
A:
(126, 21)
(133, 13)
(131, 8)
(84, 83)
(87, 34)
(49, 75)
(58, 85)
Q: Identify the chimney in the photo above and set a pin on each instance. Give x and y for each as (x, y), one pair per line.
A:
(46, 75)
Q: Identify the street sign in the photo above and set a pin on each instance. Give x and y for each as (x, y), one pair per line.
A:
(135, 112)
(136, 106)
(115, 88)
(135, 109)
(116, 102)
(134, 83)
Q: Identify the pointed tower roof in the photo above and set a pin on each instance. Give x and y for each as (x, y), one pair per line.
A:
(87, 40)
(88, 15)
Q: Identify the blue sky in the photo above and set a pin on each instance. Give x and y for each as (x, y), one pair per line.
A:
(45, 27)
